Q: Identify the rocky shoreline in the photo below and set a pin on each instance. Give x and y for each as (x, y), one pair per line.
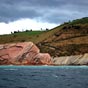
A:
(71, 60)
(27, 53)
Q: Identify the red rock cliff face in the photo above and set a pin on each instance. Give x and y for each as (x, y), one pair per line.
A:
(25, 53)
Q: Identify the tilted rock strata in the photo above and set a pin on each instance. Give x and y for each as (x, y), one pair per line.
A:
(25, 53)
(71, 60)
(28, 53)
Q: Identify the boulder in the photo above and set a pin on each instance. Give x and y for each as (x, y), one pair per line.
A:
(42, 59)
(26, 53)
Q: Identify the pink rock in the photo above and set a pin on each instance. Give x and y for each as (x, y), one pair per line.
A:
(42, 59)
(22, 53)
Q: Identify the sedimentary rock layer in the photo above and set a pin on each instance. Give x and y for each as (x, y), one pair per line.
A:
(25, 53)
(71, 60)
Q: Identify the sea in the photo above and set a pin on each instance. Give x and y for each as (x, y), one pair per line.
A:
(43, 76)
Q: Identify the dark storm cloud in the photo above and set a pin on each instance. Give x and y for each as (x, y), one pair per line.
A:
(54, 11)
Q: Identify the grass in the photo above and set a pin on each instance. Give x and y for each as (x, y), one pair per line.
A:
(20, 37)
(29, 33)
(39, 36)
(79, 21)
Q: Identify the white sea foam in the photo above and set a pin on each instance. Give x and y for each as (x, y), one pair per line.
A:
(54, 75)
(11, 69)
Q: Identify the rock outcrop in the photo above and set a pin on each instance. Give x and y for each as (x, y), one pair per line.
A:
(71, 60)
(25, 53)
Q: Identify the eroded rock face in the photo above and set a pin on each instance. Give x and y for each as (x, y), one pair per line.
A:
(71, 60)
(25, 53)
(42, 59)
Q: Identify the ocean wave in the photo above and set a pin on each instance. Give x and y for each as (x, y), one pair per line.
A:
(12, 69)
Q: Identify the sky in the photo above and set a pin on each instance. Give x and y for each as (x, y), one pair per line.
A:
(36, 14)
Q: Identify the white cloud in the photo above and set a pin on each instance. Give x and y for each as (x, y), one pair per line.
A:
(6, 28)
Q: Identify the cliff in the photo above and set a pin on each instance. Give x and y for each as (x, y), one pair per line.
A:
(69, 38)
(71, 60)
(68, 43)
(28, 53)
(25, 53)
(66, 40)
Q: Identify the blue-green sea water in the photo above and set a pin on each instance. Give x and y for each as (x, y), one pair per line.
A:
(43, 76)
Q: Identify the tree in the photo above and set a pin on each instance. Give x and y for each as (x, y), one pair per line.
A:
(16, 31)
(27, 31)
(47, 29)
(31, 30)
(41, 29)
(11, 32)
